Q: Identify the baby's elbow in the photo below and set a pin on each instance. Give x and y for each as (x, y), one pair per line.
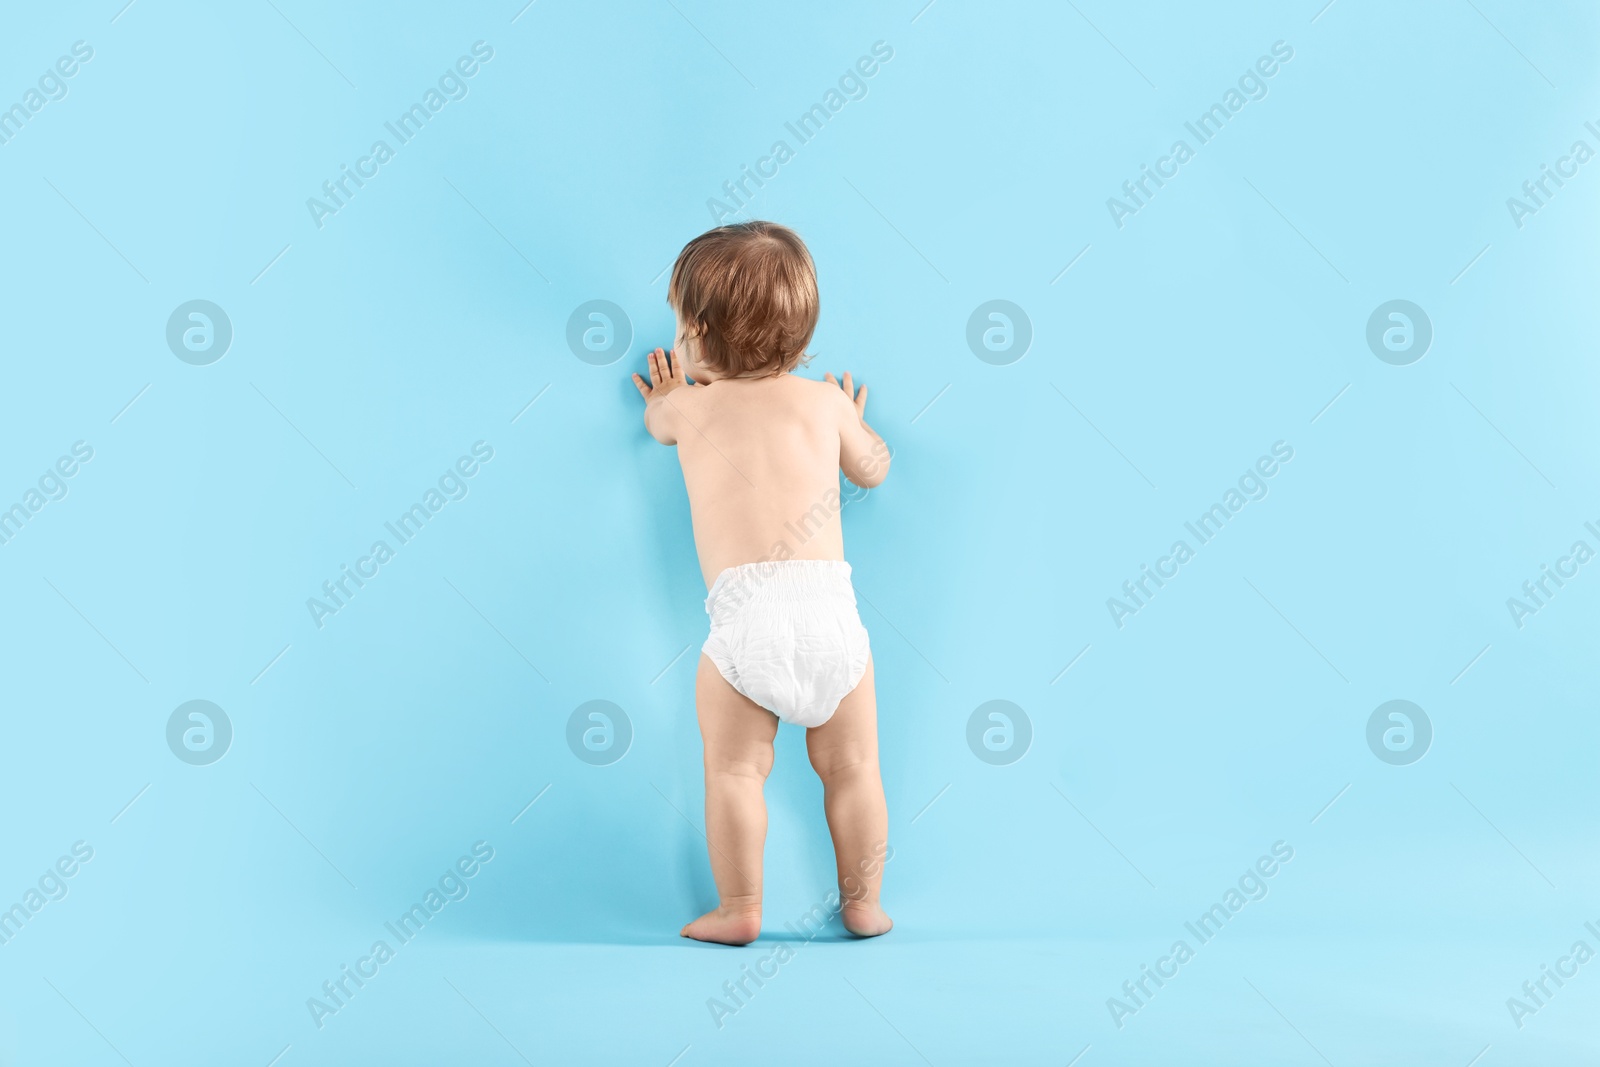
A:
(869, 473)
(654, 428)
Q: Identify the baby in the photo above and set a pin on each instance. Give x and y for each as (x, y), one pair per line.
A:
(761, 450)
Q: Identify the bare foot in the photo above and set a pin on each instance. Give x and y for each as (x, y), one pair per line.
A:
(865, 919)
(725, 927)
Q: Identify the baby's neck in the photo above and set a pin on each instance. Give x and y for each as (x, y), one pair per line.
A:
(743, 378)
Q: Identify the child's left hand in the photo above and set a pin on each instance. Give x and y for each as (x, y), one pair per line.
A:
(666, 374)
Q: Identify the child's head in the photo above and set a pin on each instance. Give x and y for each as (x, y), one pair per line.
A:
(746, 300)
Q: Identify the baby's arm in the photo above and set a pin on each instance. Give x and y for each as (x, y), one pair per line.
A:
(661, 416)
(863, 456)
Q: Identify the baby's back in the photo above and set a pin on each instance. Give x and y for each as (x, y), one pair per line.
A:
(761, 463)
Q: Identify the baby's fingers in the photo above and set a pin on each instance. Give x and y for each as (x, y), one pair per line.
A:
(829, 379)
(849, 387)
(656, 359)
(861, 401)
(644, 390)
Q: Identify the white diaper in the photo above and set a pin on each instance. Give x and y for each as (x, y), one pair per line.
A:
(786, 634)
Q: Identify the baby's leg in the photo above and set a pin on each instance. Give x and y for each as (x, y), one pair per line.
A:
(844, 751)
(738, 750)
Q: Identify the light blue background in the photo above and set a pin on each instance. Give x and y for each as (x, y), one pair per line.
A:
(427, 314)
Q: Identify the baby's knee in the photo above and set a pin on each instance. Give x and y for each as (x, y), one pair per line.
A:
(837, 765)
(750, 763)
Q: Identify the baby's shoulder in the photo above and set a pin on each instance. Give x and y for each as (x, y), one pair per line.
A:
(809, 401)
(819, 395)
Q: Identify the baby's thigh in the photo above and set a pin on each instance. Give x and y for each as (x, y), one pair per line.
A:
(850, 737)
(737, 732)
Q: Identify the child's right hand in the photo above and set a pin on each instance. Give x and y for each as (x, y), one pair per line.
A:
(863, 456)
(859, 399)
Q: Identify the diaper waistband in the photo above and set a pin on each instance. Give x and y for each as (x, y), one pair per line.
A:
(783, 576)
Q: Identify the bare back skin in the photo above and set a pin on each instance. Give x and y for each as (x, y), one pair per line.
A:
(760, 460)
